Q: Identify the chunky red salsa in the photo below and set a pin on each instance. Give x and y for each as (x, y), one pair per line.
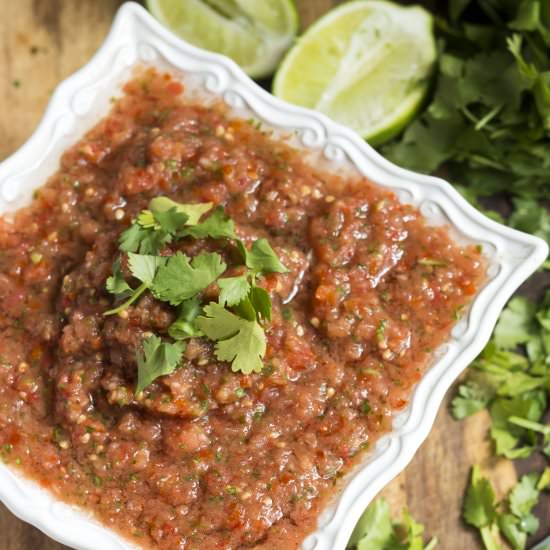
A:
(205, 457)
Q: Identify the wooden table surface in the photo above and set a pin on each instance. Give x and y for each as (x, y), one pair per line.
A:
(44, 41)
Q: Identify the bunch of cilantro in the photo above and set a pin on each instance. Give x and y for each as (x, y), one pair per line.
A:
(511, 379)
(487, 126)
(512, 518)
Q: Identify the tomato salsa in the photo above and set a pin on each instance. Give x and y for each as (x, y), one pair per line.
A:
(210, 456)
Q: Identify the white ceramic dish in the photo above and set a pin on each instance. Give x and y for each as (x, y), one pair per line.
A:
(84, 98)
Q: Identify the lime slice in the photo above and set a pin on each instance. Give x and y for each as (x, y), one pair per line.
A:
(254, 33)
(366, 64)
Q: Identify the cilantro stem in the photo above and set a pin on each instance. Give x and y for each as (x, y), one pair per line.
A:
(488, 538)
(137, 293)
(469, 115)
(484, 161)
(488, 117)
(529, 425)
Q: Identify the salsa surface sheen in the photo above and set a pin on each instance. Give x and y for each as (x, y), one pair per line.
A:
(207, 458)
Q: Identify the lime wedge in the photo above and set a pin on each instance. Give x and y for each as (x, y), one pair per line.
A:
(254, 33)
(366, 64)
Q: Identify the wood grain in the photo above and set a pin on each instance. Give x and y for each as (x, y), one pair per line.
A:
(44, 41)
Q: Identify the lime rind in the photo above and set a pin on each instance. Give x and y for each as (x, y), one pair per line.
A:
(366, 64)
(254, 34)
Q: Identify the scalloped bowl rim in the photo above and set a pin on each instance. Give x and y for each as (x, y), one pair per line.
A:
(136, 38)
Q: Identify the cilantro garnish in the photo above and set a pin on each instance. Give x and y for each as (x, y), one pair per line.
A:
(235, 324)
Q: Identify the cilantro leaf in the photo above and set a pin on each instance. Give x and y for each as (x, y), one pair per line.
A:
(470, 399)
(486, 126)
(219, 323)
(143, 240)
(246, 349)
(184, 326)
(530, 216)
(239, 341)
(178, 279)
(520, 523)
(246, 309)
(170, 220)
(252, 302)
(515, 325)
(415, 533)
(261, 301)
(216, 226)
(511, 529)
(507, 436)
(374, 529)
(145, 267)
(233, 289)
(525, 495)
(544, 481)
(146, 219)
(169, 215)
(158, 225)
(530, 524)
(116, 284)
(158, 359)
(192, 212)
(479, 505)
(261, 258)
(131, 238)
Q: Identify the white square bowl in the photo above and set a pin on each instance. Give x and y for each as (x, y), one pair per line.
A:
(81, 100)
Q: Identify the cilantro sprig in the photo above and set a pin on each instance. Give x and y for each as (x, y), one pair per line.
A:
(235, 323)
(511, 518)
(487, 124)
(511, 379)
(376, 530)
